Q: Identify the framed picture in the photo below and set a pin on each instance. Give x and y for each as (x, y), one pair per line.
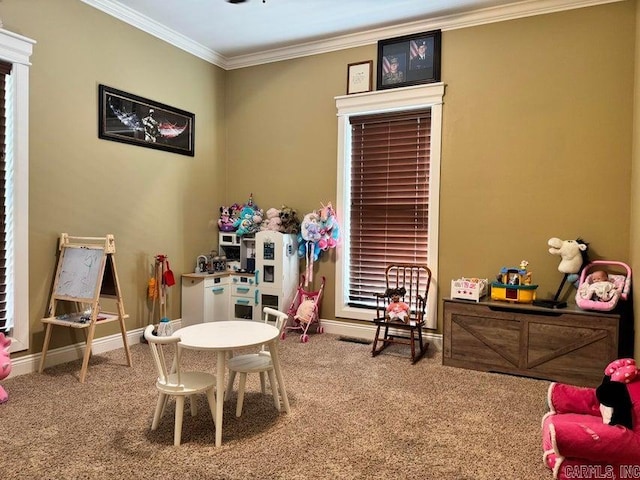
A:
(409, 60)
(360, 77)
(127, 118)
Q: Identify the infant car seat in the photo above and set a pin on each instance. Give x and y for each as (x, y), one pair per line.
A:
(622, 284)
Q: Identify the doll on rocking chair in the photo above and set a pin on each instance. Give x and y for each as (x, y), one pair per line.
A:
(397, 310)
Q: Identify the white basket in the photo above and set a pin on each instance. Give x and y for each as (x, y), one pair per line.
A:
(469, 288)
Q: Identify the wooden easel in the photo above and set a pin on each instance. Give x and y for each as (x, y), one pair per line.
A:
(86, 271)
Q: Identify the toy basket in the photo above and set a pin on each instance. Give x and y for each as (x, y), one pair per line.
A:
(469, 288)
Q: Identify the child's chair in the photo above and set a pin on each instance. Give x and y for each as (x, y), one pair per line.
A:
(259, 362)
(178, 384)
(411, 284)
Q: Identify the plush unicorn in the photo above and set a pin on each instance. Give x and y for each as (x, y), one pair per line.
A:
(5, 364)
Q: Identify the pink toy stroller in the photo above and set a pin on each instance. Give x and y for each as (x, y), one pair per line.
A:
(621, 287)
(304, 311)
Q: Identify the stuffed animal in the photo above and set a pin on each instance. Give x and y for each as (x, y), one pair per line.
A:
(329, 229)
(597, 427)
(5, 364)
(306, 311)
(290, 223)
(248, 221)
(573, 254)
(226, 220)
(272, 221)
(397, 310)
(613, 395)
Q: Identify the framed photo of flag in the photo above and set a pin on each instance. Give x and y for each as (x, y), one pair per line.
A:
(409, 60)
(127, 118)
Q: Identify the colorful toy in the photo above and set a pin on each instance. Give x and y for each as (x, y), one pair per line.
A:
(5, 364)
(594, 427)
(226, 220)
(514, 285)
(319, 231)
(249, 219)
(469, 288)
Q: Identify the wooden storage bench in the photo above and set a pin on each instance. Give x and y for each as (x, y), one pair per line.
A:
(566, 345)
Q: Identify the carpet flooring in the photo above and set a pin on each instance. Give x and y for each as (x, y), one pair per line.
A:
(352, 417)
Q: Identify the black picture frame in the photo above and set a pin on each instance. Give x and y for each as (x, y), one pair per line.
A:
(127, 118)
(402, 53)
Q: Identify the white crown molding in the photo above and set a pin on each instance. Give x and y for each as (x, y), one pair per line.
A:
(158, 30)
(526, 8)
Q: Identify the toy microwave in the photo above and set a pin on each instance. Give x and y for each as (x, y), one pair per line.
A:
(513, 285)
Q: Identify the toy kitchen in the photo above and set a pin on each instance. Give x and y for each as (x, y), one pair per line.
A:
(246, 274)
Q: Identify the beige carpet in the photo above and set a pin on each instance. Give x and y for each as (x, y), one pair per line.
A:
(352, 417)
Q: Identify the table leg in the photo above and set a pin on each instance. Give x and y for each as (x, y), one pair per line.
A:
(275, 356)
(222, 356)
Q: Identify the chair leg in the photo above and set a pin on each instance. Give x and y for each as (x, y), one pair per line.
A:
(177, 434)
(263, 384)
(193, 405)
(274, 388)
(232, 378)
(211, 398)
(159, 411)
(374, 350)
(241, 384)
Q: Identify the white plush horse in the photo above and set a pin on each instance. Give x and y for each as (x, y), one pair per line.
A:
(571, 253)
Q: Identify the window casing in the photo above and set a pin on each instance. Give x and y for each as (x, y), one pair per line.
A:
(16, 50)
(409, 100)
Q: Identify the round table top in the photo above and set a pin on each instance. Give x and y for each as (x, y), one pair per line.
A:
(226, 335)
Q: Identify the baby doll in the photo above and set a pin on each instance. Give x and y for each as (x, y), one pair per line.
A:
(398, 310)
(598, 287)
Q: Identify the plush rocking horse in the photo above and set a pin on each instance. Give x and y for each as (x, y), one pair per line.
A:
(574, 256)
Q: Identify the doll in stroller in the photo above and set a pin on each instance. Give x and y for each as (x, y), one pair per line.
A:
(304, 311)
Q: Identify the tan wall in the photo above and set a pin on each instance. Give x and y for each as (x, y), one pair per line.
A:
(536, 139)
(152, 201)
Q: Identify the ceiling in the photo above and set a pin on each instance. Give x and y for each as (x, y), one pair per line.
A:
(235, 35)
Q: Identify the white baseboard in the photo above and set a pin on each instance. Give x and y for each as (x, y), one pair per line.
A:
(368, 331)
(31, 363)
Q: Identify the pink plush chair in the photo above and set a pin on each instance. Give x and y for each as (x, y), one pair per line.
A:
(594, 433)
(5, 364)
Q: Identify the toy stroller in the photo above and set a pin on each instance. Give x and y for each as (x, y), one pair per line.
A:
(304, 311)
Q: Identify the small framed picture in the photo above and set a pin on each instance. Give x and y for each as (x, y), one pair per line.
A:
(409, 60)
(360, 77)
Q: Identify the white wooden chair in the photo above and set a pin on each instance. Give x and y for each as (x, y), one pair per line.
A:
(172, 381)
(259, 362)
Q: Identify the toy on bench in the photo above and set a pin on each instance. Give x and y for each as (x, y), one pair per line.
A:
(514, 285)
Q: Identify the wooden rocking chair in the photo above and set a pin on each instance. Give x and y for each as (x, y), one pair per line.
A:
(411, 284)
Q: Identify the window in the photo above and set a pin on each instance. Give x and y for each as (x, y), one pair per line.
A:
(388, 190)
(15, 50)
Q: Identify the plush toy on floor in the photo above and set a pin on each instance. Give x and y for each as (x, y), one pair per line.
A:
(5, 364)
(596, 427)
